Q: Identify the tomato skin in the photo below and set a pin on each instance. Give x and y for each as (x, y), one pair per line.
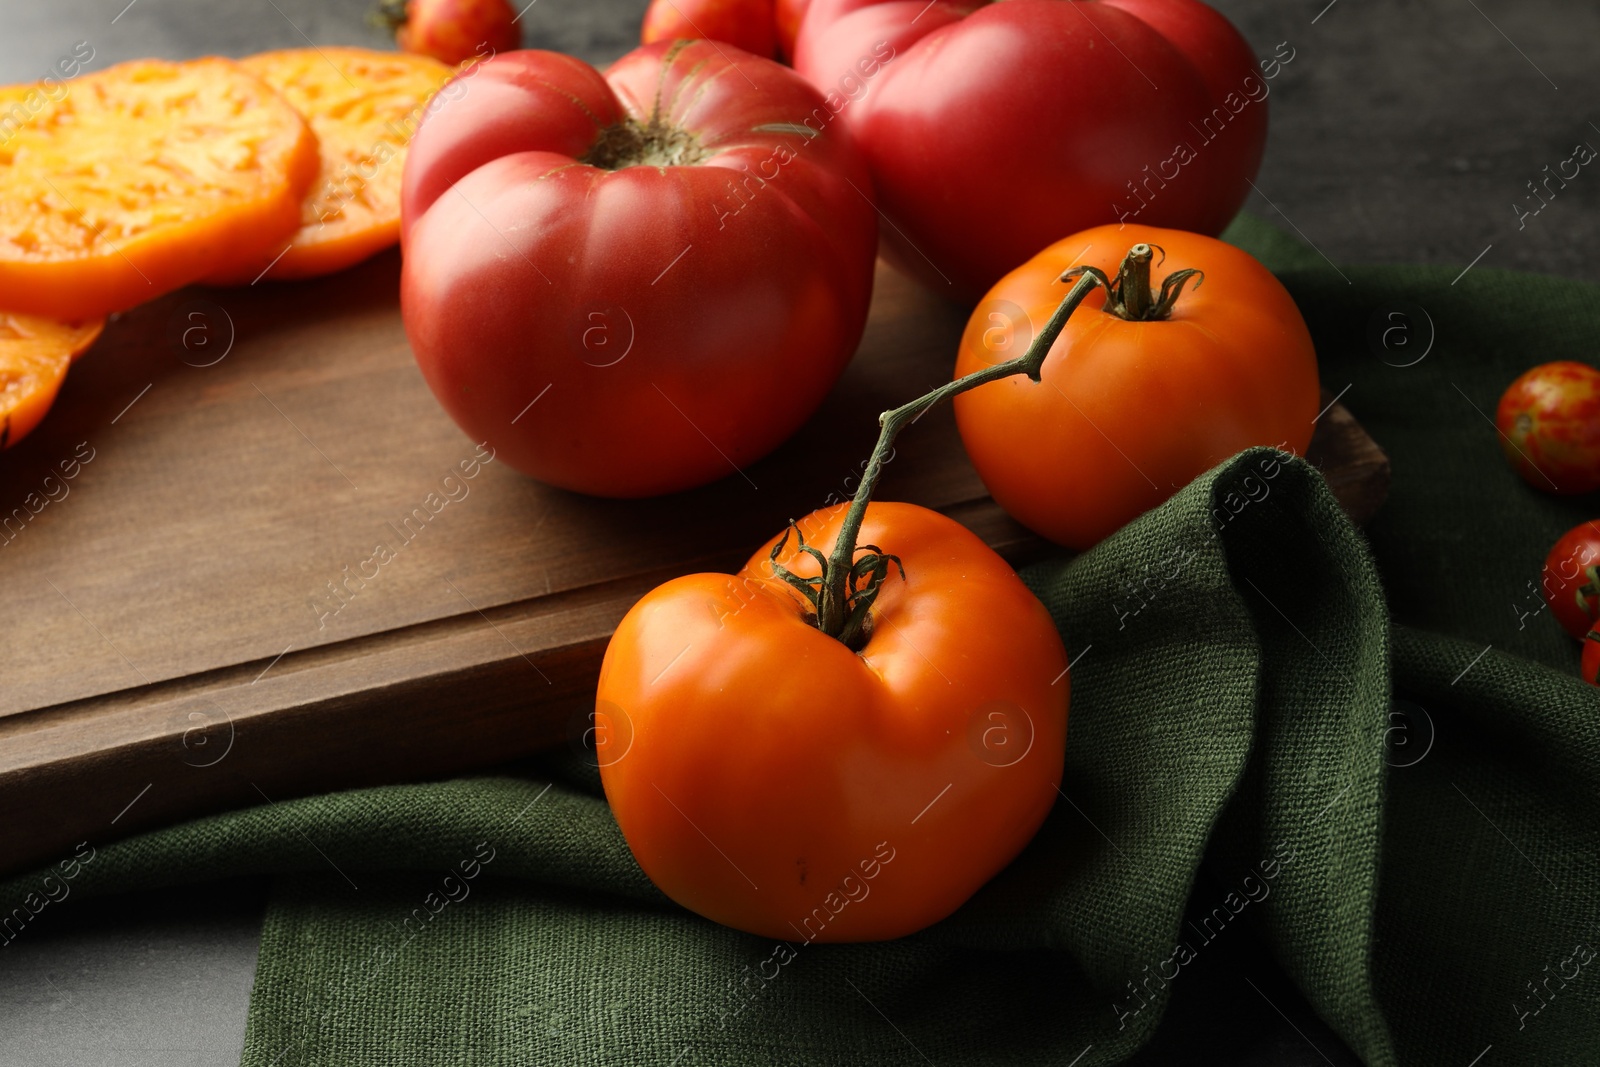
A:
(790, 13)
(685, 319)
(1567, 572)
(1127, 413)
(753, 750)
(1549, 421)
(994, 129)
(747, 24)
(1590, 665)
(568, 96)
(454, 31)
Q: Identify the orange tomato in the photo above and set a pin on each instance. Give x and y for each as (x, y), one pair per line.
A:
(773, 779)
(363, 106)
(34, 356)
(143, 178)
(1127, 411)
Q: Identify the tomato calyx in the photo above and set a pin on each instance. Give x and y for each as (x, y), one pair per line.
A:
(1588, 594)
(631, 143)
(841, 602)
(389, 15)
(871, 569)
(1129, 295)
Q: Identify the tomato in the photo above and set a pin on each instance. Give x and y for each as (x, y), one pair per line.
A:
(771, 778)
(454, 31)
(1126, 413)
(747, 24)
(34, 356)
(677, 260)
(140, 179)
(1549, 423)
(1590, 666)
(1571, 581)
(789, 15)
(994, 129)
(361, 105)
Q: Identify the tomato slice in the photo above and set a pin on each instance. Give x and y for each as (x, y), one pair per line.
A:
(34, 356)
(140, 179)
(363, 106)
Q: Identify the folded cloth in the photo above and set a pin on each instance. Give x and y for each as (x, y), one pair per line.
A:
(1404, 811)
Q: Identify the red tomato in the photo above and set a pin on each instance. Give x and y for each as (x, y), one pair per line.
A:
(1590, 666)
(994, 129)
(770, 778)
(680, 264)
(747, 24)
(454, 31)
(1572, 578)
(1549, 422)
(1126, 413)
(790, 13)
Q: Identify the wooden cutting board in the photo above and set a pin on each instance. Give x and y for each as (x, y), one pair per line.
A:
(222, 458)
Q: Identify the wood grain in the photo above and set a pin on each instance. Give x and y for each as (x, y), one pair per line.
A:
(174, 647)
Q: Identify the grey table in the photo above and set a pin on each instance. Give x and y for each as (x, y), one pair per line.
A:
(1402, 133)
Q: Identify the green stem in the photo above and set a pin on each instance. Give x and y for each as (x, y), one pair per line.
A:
(1129, 296)
(834, 614)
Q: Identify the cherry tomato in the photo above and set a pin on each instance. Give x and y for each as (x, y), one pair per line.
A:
(1549, 422)
(629, 301)
(1126, 413)
(994, 129)
(1571, 579)
(747, 24)
(1590, 667)
(453, 31)
(771, 778)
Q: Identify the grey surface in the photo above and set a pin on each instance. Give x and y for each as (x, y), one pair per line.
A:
(1400, 133)
(1404, 132)
(38, 31)
(158, 979)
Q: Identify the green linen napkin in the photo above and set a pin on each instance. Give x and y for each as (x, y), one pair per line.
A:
(1430, 881)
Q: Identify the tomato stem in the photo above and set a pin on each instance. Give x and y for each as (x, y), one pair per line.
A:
(1129, 295)
(841, 605)
(1133, 281)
